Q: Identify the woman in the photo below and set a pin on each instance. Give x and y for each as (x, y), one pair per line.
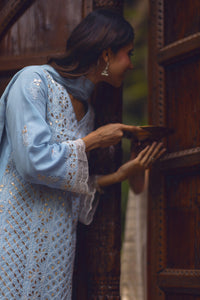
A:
(46, 132)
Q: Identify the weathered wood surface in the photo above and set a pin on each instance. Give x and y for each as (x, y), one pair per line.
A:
(174, 101)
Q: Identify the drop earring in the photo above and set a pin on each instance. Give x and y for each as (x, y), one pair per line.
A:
(105, 71)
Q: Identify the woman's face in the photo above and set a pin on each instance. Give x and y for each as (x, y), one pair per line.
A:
(119, 64)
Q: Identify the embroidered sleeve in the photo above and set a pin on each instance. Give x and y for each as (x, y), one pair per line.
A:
(59, 165)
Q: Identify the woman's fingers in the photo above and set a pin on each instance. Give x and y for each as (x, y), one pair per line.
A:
(158, 151)
(150, 154)
(154, 150)
(142, 153)
(155, 153)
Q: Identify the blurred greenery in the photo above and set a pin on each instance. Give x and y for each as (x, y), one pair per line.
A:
(135, 85)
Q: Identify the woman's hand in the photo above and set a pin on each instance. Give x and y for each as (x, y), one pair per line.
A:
(143, 161)
(110, 134)
(134, 169)
(145, 158)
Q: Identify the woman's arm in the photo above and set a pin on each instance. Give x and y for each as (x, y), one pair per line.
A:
(61, 165)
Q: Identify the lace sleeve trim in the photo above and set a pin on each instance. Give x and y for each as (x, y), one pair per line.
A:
(83, 168)
(81, 181)
(89, 203)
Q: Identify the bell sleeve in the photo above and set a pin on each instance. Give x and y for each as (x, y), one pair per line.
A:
(57, 165)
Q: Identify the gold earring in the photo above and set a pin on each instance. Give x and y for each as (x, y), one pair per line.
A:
(105, 71)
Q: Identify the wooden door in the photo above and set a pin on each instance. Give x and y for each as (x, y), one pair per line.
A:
(30, 31)
(174, 193)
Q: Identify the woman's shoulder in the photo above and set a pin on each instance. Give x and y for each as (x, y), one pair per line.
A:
(30, 71)
(30, 74)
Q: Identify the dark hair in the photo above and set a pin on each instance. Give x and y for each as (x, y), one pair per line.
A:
(100, 30)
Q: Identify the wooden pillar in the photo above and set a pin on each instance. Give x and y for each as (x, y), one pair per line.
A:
(98, 259)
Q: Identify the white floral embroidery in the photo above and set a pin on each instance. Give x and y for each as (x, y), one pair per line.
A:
(25, 136)
(35, 87)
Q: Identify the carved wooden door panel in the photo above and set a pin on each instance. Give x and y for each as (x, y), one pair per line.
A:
(30, 31)
(174, 193)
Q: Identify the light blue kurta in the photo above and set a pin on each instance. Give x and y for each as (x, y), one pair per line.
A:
(45, 187)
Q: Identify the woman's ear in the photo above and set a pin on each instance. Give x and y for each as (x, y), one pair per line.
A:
(107, 55)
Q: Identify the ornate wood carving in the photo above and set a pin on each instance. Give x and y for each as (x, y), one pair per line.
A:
(156, 117)
(180, 49)
(182, 273)
(175, 161)
(179, 280)
(156, 72)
